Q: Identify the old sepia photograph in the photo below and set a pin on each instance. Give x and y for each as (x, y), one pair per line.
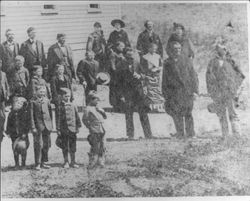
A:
(130, 99)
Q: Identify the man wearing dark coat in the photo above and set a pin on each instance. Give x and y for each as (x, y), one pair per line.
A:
(8, 51)
(97, 43)
(61, 53)
(146, 38)
(180, 36)
(33, 52)
(4, 96)
(118, 35)
(179, 84)
(132, 95)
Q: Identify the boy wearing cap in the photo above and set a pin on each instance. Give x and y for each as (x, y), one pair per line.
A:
(61, 53)
(33, 51)
(41, 126)
(18, 128)
(97, 43)
(224, 80)
(87, 71)
(36, 81)
(93, 117)
(68, 123)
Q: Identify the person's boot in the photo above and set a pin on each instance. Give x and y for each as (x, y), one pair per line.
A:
(73, 162)
(66, 160)
(16, 158)
(101, 161)
(92, 160)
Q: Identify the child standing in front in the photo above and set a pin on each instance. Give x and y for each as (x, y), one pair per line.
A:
(68, 123)
(93, 118)
(18, 128)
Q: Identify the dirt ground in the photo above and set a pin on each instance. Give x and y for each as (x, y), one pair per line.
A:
(204, 166)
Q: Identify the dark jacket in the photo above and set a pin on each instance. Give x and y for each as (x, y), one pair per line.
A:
(87, 71)
(55, 88)
(18, 122)
(67, 118)
(185, 43)
(8, 57)
(144, 40)
(180, 82)
(223, 81)
(56, 56)
(96, 43)
(34, 83)
(31, 56)
(40, 114)
(116, 36)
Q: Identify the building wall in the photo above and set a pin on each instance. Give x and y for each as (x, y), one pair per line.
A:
(73, 19)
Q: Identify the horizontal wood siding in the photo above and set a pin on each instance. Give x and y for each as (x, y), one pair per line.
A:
(72, 19)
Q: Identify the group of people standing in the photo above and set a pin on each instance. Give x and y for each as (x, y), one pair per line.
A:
(30, 82)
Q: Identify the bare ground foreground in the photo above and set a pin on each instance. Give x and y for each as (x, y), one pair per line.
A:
(204, 166)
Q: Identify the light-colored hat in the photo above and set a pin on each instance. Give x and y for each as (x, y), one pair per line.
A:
(103, 78)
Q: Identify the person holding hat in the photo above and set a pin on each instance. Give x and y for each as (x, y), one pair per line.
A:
(41, 126)
(4, 96)
(87, 71)
(180, 36)
(18, 128)
(224, 79)
(147, 37)
(33, 51)
(132, 95)
(61, 53)
(97, 43)
(179, 85)
(93, 118)
(118, 35)
(8, 51)
(20, 78)
(37, 80)
(68, 123)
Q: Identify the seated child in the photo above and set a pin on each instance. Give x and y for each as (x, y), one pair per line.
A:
(68, 123)
(151, 67)
(93, 119)
(18, 128)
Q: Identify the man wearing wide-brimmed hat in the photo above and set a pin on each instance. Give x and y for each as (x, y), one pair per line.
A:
(61, 53)
(97, 43)
(33, 51)
(180, 36)
(118, 34)
(147, 37)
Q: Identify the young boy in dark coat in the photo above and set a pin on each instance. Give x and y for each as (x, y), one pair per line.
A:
(41, 125)
(68, 123)
(93, 117)
(18, 129)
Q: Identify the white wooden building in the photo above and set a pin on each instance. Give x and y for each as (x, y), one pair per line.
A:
(74, 18)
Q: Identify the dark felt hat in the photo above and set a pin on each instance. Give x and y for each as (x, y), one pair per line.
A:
(178, 25)
(35, 67)
(97, 24)
(92, 95)
(59, 35)
(30, 29)
(113, 22)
